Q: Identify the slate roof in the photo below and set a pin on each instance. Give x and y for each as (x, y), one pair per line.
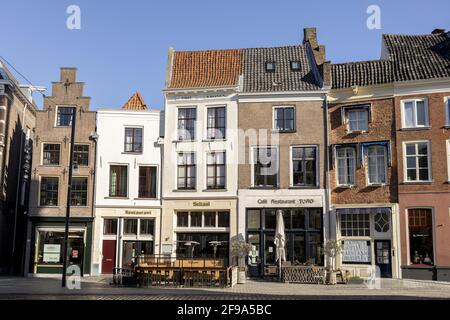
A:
(418, 57)
(257, 79)
(211, 68)
(135, 103)
(363, 73)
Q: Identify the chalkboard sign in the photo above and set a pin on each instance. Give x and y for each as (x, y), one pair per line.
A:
(356, 251)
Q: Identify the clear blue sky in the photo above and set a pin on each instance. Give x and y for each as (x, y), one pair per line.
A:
(122, 45)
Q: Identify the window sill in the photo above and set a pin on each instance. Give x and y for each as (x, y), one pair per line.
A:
(51, 165)
(357, 131)
(447, 126)
(49, 207)
(79, 207)
(376, 185)
(142, 198)
(416, 128)
(304, 187)
(178, 141)
(118, 198)
(132, 152)
(264, 188)
(184, 190)
(283, 131)
(215, 190)
(417, 182)
(213, 140)
(345, 186)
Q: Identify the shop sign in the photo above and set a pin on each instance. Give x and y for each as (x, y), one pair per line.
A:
(52, 252)
(201, 203)
(136, 212)
(356, 251)
(314, 201)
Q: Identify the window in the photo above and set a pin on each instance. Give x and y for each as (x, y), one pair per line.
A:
(186, 171)
(284, 119)
(415, 113)
(81, 154)
(49, 191)
(304, 166)
(110, 226)
(146, 227)
(64, 116)
(216, 123)
(295, 65)
(216, 170)
(224, 219)
(382, 222)
(417, 161)
(199, 245)
(196, 219)
(270, 66)
(118, 180)
(183, 219)
(186, 123)
(79, 191)
(447, 111)
(51, 154)
(420, 225)
(210, 219)
(130, 226)
(147, 182)
(376, 159)
(346, 165)
(133, 139)
(265, 167)
(355, 224)
(448, 159)
(357, 120)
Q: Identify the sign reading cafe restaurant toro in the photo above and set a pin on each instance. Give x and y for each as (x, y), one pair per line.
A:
(311, 201)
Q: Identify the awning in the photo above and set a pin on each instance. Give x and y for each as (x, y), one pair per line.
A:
(363, 210)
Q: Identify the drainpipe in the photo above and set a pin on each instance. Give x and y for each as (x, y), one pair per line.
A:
(16, 205)
(94, 138)
(327, 166)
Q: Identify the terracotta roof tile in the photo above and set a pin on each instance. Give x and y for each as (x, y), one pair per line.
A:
(136, 102)
(211, 68)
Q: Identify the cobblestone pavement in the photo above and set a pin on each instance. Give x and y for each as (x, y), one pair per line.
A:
(95, 288)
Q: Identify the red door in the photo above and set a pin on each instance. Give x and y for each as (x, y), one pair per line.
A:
(109, 256)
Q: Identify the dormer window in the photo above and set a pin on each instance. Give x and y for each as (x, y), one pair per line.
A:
(270, 66)
(295, 65)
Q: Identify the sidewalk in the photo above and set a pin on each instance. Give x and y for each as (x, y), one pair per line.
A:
(100, 288)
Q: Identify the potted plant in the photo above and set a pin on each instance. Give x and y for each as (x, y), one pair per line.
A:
(331, 249)
(240, 249)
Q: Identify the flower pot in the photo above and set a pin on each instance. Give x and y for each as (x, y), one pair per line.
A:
(331, 278)
(242, 277)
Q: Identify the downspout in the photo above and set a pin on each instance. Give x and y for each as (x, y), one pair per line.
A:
(94, 137)
(161, 151)
(327, 166)
(16, 205)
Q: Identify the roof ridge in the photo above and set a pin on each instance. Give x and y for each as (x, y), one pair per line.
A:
(361, 62)
(240, 49)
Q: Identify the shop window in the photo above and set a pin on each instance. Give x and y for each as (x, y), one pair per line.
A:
(224, 219)
(315, 248)
(133, 140)
(79, 191)
(49, 191)
(382, 222)
(298, 219)
(118, 181)
(196, 219)
(64, 116)
(147, 182)
(110, 226)
(420, 224)
(216, 123)
(417, 161)
(346, 166)
(182, 219)
(133, 249)
(51, 154)
(199, 245)
(210, 219)
(186, 171)
(355, 224)
(216, 170)
(304, 166)
(81, 154)
(51, 246)
(253, 219)
(270, 219)
(147, 227)
(284, 119)
(315, 219)
(187, 118)
(130, 226)
(265, 167)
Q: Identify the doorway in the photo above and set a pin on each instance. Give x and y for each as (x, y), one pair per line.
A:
(383, 257)
(109, 256)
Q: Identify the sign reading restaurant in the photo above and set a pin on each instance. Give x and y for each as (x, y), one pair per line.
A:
(312, 201)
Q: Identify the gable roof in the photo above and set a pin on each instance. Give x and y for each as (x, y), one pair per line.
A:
(417, 57)
(257, 79)
(136, 103)
(362, 73)
(210, 68)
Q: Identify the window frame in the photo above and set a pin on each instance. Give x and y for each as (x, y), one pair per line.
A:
(415, 125)
(202, 213)
(291, 165)
(385, 154)
(405, 167)
(57, 125)
(355, 166)
(186, 177)
(87, 192)
(447, 111)
(141, 166)
(40, 193)
(253, 164)
(42, 154)
(127, 181)
(215, 168)
(266, 66)
(274, 120)
(354, 110)
(88, 153)
(291, 63)
(133, 137)
(194, 127)
(433, 233)
(216, 127)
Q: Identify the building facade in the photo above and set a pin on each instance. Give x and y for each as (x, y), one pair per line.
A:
(200, 154)
(282, 152)
(128, 190)
(49, 180)
(17, 123)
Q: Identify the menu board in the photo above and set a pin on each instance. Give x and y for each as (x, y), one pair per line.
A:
(356, 251)
(52, 252)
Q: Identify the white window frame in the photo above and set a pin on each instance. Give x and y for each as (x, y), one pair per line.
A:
(347, 118)
(448, 160)
(56, 114)
(42, 154)
(252, 162)
(291, 166)
(337, 166)
(178, 108)
(405, 169)
(207, 153)
(205, 127)
(274, 109)
(415, 125)
(447, 111)
(178, 153)
(385, 166)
